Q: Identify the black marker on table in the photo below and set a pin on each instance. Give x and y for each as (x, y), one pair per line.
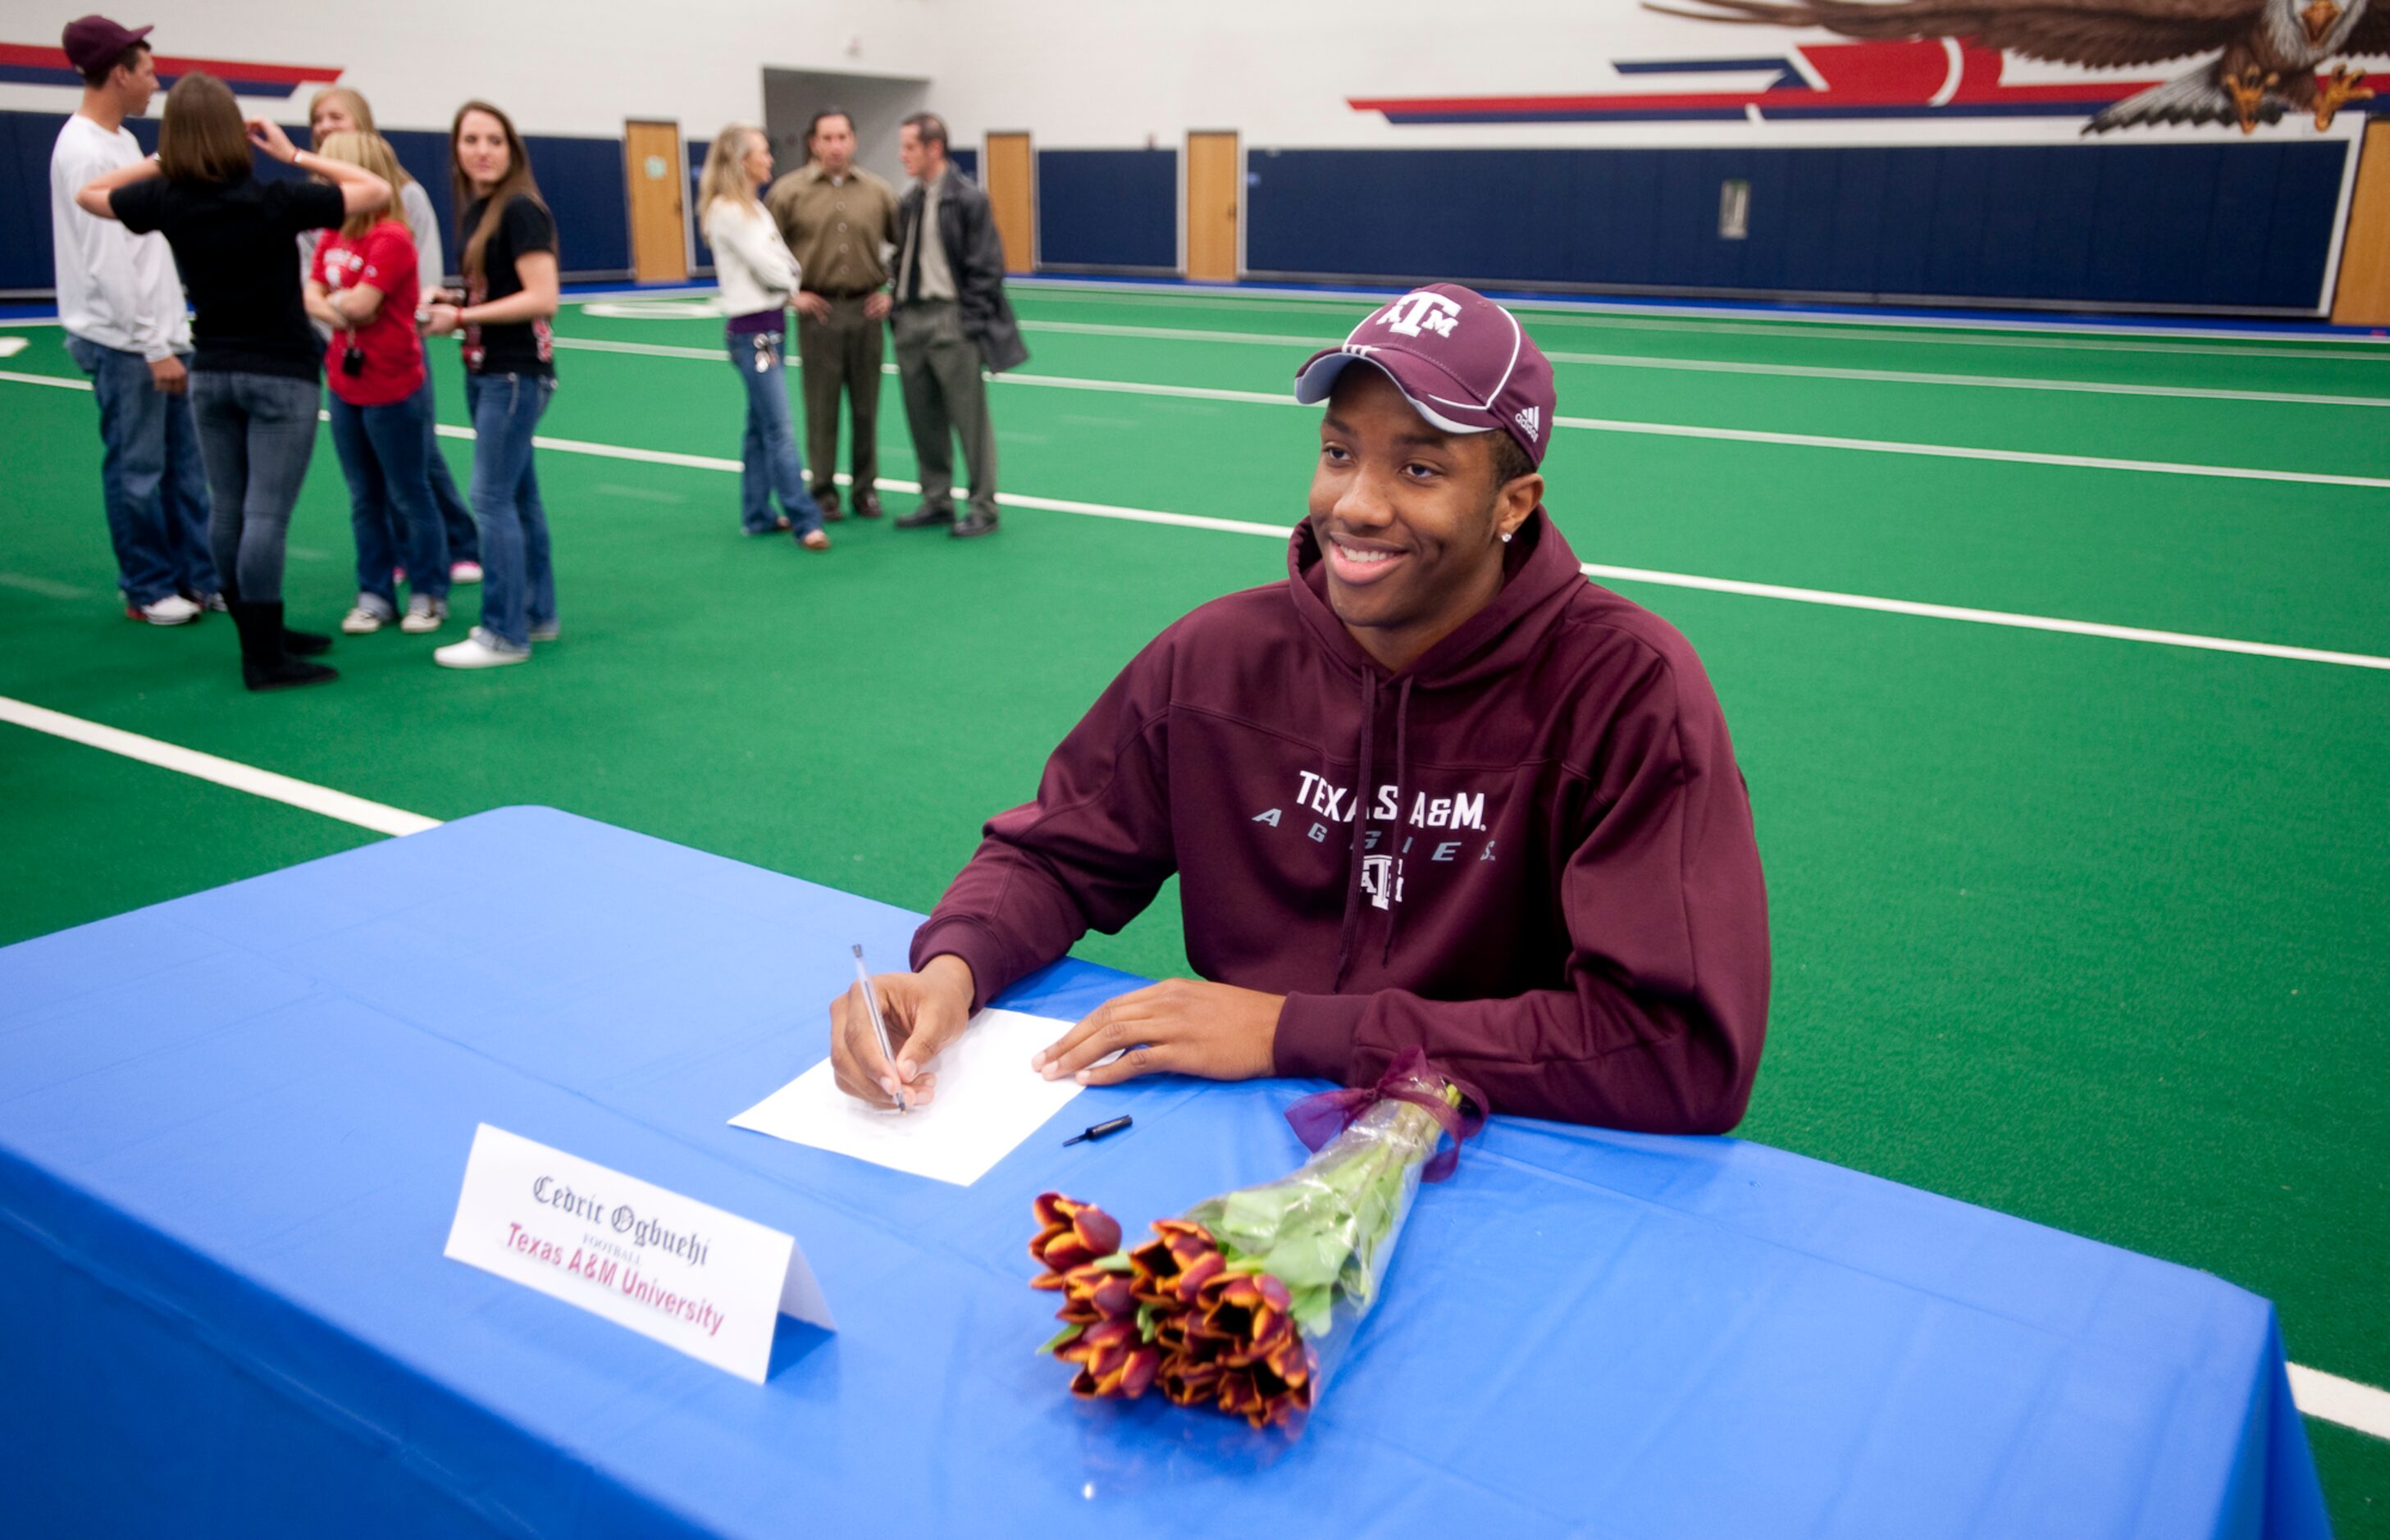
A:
(1100, 1131)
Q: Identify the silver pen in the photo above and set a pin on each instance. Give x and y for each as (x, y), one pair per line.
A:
(879, 1026)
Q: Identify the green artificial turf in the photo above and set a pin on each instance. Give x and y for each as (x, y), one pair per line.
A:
(2092, 931)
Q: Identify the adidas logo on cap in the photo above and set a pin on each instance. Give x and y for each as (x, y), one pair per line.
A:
(1531, 419)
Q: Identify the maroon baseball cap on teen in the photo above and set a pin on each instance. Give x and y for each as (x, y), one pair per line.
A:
(93, 41)
(1463, 363)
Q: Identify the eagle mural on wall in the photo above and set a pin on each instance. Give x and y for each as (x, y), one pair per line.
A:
(2270, 49)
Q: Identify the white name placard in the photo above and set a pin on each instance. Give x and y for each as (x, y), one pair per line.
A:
(684, 1273)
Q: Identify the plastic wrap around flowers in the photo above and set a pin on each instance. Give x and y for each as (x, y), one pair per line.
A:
(1246, 1301)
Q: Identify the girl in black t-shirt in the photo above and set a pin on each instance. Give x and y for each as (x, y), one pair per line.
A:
(255, 365)
(508, 244)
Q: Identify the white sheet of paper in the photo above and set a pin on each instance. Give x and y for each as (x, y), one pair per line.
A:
(989, 1099)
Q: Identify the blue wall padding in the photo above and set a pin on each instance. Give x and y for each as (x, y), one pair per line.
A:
(2234, 226)
(700, 254)
(1108, 207)
(582, 180)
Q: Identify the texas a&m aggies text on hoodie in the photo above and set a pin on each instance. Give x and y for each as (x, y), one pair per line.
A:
(1529, 854)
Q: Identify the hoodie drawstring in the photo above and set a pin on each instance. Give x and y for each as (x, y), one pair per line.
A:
(1360, 824)
(1393, 851)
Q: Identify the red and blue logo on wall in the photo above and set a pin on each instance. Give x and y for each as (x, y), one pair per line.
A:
(1934, 59)
(28, 64)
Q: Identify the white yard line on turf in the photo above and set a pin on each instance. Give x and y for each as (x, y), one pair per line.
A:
(1592, 309)
(61, 382)
(2343, 1401)
(1919, 609)
(1604, 360)
(1657, 430)
(224, 771)
(1637, 574)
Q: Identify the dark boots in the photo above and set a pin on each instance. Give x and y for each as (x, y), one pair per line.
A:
(268, 661)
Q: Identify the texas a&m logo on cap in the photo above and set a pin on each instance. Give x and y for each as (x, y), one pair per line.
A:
(1424, 309)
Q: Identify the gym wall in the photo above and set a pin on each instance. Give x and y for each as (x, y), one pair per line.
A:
(1568, 144)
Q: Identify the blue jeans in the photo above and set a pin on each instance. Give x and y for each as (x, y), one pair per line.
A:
(455, 517)
(152, 483)
(257, 432)
(518, 584)
(390, 497)
(769, 460)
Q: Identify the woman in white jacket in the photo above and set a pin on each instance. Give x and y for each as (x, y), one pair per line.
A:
(759, 279)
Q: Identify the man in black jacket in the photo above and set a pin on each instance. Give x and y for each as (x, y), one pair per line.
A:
(951, 316)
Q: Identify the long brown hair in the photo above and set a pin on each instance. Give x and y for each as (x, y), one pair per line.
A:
(202, 138)
(517, 179)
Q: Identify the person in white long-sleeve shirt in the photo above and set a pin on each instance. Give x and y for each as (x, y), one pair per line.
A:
(120, 301)
(759, 281)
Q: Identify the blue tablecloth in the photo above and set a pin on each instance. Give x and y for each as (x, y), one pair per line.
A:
(232, 1129)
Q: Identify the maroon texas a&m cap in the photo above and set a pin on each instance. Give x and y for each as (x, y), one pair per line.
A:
(1461, 360)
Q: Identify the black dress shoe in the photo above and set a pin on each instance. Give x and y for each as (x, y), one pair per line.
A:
(827, 500)
(927, 514)
(867, 505)
(977, 524)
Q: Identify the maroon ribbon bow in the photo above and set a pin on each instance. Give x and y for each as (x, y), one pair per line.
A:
(1317, 1119)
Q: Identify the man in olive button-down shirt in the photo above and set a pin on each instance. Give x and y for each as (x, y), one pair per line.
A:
(838, 218)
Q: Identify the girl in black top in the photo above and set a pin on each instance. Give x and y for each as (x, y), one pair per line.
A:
(511, 290)
(254, 378)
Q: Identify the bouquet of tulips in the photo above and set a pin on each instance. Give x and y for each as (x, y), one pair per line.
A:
(1243, 1302)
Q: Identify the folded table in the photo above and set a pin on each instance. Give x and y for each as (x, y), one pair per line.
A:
(232, 1129)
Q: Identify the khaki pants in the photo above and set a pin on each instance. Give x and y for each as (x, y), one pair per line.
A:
(945, 399)
(840, 357)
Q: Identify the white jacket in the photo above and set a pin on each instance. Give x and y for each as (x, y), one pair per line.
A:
(756, 266)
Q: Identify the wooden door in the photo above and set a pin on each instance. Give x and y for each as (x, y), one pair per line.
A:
(2363, 298)
(1215, 184)
(659, 212)
(1012, 188)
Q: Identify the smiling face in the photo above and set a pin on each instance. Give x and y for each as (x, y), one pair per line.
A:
(757, 162)
(331, 116)
(481, 150)
(1409, 519)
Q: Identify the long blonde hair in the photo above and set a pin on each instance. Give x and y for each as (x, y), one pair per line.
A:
(372, 152)
(725, 174)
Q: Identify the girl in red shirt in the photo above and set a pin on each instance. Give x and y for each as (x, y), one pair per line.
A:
(363, 284)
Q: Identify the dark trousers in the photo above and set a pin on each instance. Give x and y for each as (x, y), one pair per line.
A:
(154, 487)
(841, 356)
(945, 399)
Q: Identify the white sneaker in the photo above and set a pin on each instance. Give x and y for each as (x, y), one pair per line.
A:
(547, 633)
(423, 613)
(464, 571)
(363, 620)
(480, 650)
(173, 609)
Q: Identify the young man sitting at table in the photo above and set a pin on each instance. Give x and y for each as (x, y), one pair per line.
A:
(1434, 789)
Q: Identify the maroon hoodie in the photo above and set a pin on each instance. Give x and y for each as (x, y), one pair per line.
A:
(1551, 885)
